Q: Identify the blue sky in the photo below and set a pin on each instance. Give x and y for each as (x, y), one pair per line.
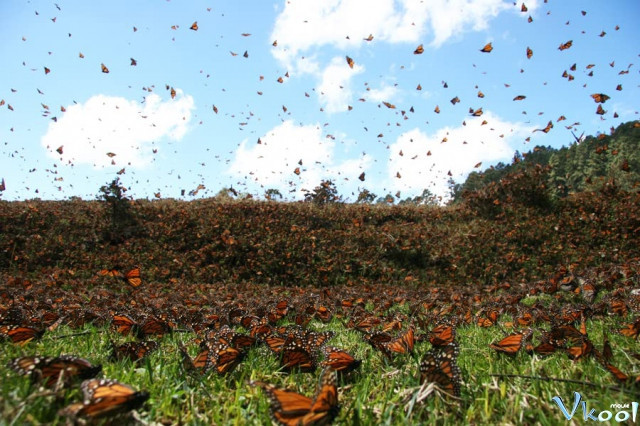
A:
(325, 120)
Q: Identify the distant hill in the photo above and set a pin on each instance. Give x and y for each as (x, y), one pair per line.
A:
(585, 165)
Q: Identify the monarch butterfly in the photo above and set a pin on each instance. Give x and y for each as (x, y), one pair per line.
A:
(529, 53)
(261, 330)
(302, 319)
(607, 351)
(487, 48)
(619, 375)
(104, 68)
(20, 334)
(235, 315)
(290, 408)
(367, 323)
(133, 277)
(545, 348)
(249, 321)
(439, 366)
(350, 62)
(133, 350)
(113, 272)
(580, 349)
(323, 314)
(48, 370)
(632, 329)
(296, 355)
(201, 361)
(566, 45)
(525, 318)
(377, 338)
(339, 360)
(215, 354)
(194, 26)
(227, 336)
(511, 344)
(104, 398)
(275, 343)
(477, 113)
(402, 344)
(124, 324)
(419, 50)
(278, 311)
(315, 340)
(226, 358)
(442, 334)
(153, 326)
(600, 97)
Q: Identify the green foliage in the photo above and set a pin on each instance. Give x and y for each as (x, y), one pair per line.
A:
(589, 165)
(325, 193)
(366, 197)
(272, 194)
(427, 198)
(123, 223)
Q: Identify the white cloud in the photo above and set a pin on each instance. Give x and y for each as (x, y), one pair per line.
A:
(385, 93)
(335, 86)
(126, 128)
(303, 26)
(271, 163)
(487, 143)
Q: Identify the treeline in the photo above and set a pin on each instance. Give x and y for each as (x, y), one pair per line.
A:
(590, 164)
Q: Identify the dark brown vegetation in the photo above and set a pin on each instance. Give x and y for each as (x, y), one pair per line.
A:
(490, 239)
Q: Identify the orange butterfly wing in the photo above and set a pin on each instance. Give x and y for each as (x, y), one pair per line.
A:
(631, 329)
(227, 358)
(487, 48)
(442, 335)
(339, 360)
(511, 344)
(20, 334)
(153, 326)
(296, 356)
(124, 324)
(290, 408)
(133, 277)
(439, 366)
(133, 350)
(325, 406)
(105, 398)
(402, 344)
(48, 369)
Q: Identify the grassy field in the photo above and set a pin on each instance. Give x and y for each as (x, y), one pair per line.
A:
(381, 391)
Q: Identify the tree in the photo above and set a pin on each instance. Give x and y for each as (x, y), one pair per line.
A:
(366, 197)
(123, 223)
(324, 193)
(272, 194)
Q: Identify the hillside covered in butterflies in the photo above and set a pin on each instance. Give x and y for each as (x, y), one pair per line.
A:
(550, 210)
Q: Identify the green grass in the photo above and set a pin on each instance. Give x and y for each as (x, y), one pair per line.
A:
(376, 394)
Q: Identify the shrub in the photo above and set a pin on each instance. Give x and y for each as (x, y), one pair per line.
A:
(524, 188)
(123, 223)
